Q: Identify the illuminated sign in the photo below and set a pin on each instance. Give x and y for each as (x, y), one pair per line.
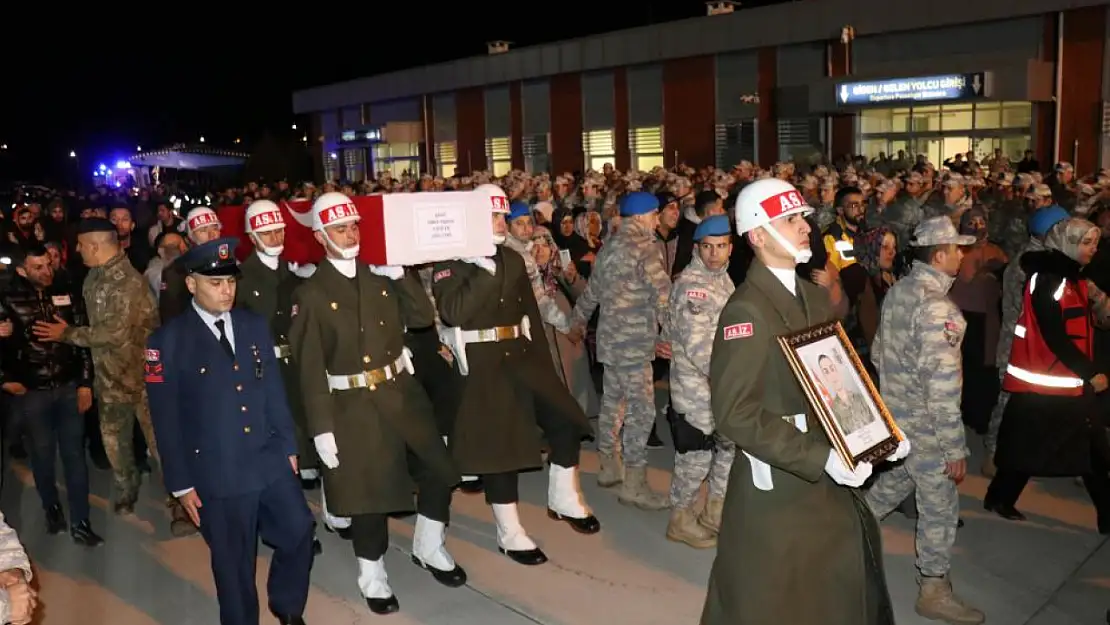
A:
(920, 89)
(370, 134)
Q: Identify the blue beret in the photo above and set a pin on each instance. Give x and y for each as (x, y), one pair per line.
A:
(638, 203)
(214, 258)
(519, 209)
(1042, 219)
(715, 226)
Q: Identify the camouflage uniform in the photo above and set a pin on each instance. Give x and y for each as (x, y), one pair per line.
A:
(697, 298)
(12, 556)
(122, 314)
(549, 308)
(1013, 287)
(917, 354)
(630, 283)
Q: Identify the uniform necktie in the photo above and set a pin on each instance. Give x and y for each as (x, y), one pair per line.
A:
(224, 343)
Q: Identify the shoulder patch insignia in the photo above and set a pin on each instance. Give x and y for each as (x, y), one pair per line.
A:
(699, 294)
(442, 274)
(152, 372)
(951, 326)
(153, 355)
(738, 331)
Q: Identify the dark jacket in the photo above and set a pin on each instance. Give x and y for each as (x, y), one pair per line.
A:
(35, 364)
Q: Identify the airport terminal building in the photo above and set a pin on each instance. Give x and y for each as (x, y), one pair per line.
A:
(766, 84)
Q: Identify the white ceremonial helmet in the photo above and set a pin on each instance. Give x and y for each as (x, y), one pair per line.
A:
(200, 217)
(264, 216)
(766, 200)
(335, 209)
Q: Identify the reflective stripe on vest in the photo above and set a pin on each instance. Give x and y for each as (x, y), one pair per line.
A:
(1033, 368)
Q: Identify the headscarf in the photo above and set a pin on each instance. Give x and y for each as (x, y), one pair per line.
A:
(868, 246)
(965, 223)
(547, 270)
(1066, 235)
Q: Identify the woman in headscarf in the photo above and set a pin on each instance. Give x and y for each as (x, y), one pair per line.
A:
(978, 291)
(563, 285)
(1052, 426)
(865, 284)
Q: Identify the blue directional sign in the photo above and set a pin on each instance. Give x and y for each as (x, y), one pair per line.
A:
(920, 89)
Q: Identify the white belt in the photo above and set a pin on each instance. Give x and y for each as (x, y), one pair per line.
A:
(457, 339)
(371, 379)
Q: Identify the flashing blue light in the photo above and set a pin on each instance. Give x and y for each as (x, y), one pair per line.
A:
(123, 165)
(103, 167)
(96, 172)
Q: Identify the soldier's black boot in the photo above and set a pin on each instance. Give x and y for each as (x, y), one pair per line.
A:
(83, 534)
(55, 519)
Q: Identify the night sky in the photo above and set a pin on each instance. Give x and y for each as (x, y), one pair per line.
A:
(103, 95)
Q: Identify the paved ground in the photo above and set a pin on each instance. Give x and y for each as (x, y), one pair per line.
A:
(1052, 570)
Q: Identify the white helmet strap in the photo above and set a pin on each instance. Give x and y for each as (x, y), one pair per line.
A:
(800, 256)
(262, 248)
(346, 253)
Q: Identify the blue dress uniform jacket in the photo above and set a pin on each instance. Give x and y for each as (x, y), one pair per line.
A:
(223, 426)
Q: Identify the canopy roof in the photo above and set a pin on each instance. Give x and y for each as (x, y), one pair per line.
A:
(181, 156)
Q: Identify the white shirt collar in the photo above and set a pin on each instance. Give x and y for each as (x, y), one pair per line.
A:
(787, 277)
(344, 266)
(270, 261)
(209, 319)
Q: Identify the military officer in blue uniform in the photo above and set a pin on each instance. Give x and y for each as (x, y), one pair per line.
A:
(229, 450)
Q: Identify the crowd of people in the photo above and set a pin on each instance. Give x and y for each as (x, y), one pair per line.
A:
(974, 295)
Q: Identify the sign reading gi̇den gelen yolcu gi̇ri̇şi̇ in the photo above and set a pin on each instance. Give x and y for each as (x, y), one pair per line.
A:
(921, 89)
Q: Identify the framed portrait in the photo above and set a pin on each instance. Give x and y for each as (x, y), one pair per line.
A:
(841, 393)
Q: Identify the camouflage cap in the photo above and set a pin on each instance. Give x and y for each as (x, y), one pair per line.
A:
(938, 231)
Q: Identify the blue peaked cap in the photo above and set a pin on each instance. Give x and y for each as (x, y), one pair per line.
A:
(1042, 219)
(715, 226)
(638, 203)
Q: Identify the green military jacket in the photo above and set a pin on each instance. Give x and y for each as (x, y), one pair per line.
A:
(122, 314)
(269, 293)
(799, 553)
(344, 326)
(495, 428)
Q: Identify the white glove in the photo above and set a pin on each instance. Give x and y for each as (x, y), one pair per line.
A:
(393, 272)
(302, 271)
(484, 263)
(838, 471)
(327, 450)
(903, 447)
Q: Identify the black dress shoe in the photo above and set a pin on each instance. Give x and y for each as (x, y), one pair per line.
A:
(472, 487)
(1009, 513)
(312, 484)
(55, 520)
(383, 606)
(342, 532)
(452, 579)
(584, 525)
(527, 557)
(83, 535)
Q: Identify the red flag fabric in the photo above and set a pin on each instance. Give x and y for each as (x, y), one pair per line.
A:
(300, 246)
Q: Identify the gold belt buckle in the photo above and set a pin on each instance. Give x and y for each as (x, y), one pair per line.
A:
(284, 351)
(505, 333)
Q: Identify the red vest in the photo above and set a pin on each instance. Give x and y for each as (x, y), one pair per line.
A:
(1033, 367)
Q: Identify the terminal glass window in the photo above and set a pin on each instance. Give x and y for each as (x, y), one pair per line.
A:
(397, 159)
(599, 148)
(735, 142)
(537, 157)
(942, 131)
(331, 165)
(499, 155)
(447, 158)
(646, 147)
(354, 164)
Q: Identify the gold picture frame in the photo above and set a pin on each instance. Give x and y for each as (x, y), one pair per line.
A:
(841, 393)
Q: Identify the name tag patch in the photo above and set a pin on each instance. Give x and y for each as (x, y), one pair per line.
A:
(698, 294)
(153, 367)
(153, 355)
(442, 274)
(61, 300)
(738, 331)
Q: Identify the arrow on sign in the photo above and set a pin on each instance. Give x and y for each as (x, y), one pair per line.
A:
(976, 84)
(844, 93)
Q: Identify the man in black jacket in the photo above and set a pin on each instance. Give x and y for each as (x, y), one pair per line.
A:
(51, 385)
